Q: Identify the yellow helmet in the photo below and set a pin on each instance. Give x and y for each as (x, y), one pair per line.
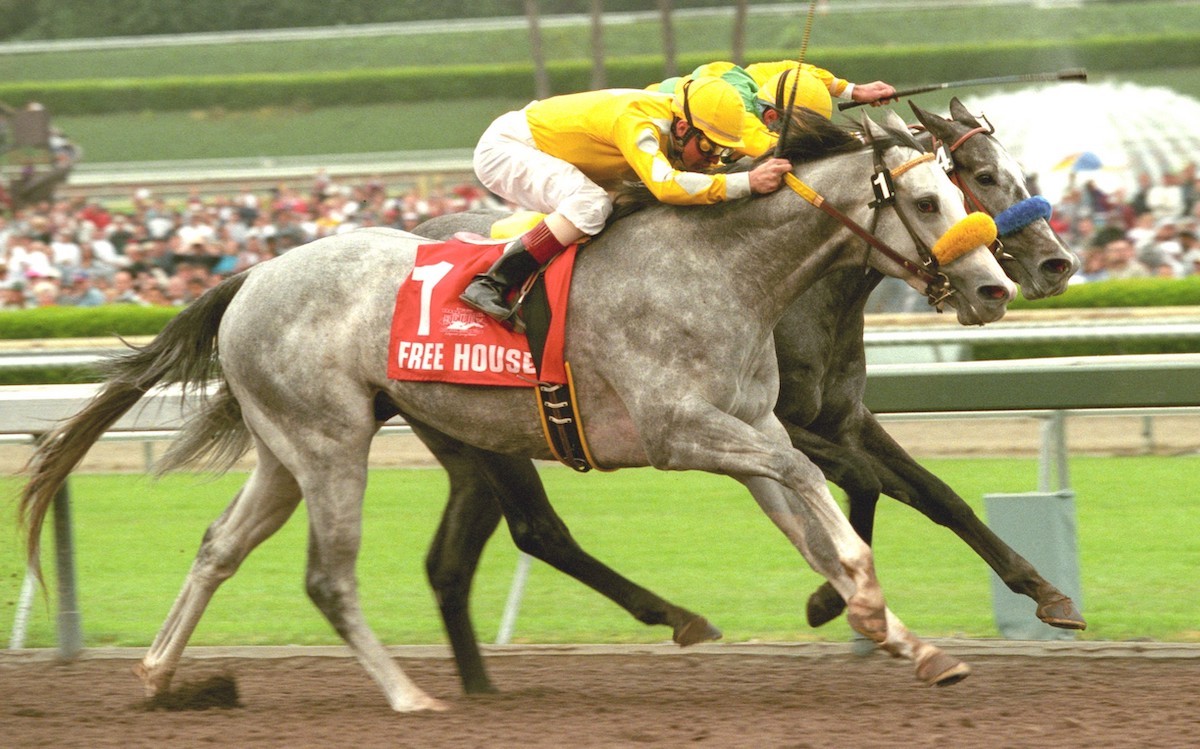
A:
(713, 107)
(810, 92)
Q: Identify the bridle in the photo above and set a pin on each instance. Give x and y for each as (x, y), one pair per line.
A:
(1010, 220)
(937, 285)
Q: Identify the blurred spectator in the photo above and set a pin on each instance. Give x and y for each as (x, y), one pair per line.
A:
(1165, 200)
(1120, 260)
(82, 292)
(1162, 253)
(12, 295)
(121, 231)
(45, 292)
(1093, 266)
(1140, 202)
(64, 251)
(122, 290)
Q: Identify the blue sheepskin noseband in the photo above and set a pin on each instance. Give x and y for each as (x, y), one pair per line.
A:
(1017, 217)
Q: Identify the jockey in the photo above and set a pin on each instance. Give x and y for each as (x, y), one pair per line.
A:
(561, 155)
(761, 84)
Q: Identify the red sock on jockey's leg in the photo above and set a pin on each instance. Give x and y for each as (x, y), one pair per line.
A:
(541, 243)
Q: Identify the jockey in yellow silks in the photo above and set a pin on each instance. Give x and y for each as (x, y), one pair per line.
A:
(762, 83)
(562, 155)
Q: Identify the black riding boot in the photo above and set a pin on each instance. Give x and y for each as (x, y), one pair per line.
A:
(487, 291)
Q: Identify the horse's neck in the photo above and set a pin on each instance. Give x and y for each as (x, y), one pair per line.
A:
(745, 261)
(834, 261)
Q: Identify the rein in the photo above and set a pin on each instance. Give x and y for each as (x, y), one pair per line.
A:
(937, 287)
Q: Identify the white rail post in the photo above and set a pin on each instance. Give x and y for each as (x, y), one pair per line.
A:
(21, 620)
(513, 605)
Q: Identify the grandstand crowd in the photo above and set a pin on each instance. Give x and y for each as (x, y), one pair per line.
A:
(156, 251)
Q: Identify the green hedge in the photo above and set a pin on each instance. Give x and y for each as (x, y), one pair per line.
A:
(84, 322)
(381, 85)
(1132, 292)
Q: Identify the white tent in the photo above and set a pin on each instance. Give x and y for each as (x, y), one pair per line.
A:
(1107, 132)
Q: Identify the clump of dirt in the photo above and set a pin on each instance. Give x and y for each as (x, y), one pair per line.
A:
(214, 693)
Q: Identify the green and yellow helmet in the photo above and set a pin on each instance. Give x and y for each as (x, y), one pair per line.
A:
(811, 92)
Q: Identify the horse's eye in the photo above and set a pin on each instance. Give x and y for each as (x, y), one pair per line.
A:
(927, 205)
(986, 178)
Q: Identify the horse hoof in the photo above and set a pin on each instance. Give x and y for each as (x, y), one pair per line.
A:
(824, 605)
(422, 702)
(1061, 612)
(484, 687)
(696, 630)
(153, 685)
(942, 670)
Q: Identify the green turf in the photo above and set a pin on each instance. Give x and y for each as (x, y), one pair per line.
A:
(273, 132)
(779, 31)
(348, 130)
(698, 540)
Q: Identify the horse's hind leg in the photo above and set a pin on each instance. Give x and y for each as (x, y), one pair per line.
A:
(331, 470)
(479, 482)
(538, 531)
(261, 507)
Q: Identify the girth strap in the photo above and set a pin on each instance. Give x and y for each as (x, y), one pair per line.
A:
(561, 423)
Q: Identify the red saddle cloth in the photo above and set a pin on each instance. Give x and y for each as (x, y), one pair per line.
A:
(437, 338)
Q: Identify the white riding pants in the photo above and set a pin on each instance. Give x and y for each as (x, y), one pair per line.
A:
(508, 163)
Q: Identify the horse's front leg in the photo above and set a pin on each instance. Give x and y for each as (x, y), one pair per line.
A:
(483, 483)
(791, 490)
(853, 474)
(470, 518)
(906, 480)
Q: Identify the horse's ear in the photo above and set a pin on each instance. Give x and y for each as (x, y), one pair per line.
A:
(895, 121)
(960, 113)
(870, 127)
(938, 127)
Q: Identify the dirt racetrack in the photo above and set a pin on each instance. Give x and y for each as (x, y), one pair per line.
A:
(820, 695)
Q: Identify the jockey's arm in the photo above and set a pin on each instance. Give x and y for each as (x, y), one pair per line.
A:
(642, 145)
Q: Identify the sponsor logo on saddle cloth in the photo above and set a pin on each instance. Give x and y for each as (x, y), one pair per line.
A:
(437, 338)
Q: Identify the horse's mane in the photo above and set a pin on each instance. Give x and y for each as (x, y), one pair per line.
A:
(809, 137)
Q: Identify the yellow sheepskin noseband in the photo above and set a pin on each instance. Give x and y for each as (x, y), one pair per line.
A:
(977, 229)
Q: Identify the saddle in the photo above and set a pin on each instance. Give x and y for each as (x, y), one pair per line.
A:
(437, 338)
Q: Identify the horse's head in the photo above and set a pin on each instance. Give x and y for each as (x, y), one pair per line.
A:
(919, 213)
(992, 181)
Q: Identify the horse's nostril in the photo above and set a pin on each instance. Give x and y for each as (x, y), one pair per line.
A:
(994, 293)
(1056, 267)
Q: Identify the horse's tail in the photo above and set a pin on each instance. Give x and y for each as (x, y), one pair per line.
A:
(184, 352)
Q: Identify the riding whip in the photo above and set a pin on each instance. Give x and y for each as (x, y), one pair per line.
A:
(808, 23)
(1072, 74)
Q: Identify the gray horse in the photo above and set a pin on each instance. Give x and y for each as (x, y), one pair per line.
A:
(297, 348)
(822, 378)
